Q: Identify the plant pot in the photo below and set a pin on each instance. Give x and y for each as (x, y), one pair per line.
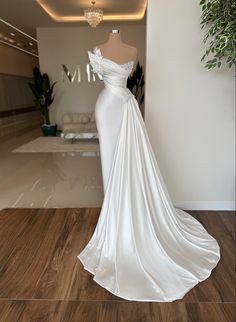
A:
(49, 129)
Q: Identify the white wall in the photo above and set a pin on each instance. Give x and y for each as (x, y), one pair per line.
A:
(69, 46)
(189, 111)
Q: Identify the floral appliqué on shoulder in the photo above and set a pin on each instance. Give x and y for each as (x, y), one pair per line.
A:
(96, 61)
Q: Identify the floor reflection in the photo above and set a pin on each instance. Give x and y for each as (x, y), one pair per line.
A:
(48, 180)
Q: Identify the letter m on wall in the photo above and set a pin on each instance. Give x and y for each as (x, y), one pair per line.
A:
(71, 76)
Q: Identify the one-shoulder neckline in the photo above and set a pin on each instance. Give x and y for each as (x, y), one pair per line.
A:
(104, 58)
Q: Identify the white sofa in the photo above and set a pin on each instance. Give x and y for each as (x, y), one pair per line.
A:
(79, 125)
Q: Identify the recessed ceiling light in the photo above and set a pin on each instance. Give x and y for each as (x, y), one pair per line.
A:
(17, 29)
(18, 48)
(30, 43)
(10, 42)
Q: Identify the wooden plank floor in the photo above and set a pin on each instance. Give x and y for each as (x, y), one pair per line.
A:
(41, 278)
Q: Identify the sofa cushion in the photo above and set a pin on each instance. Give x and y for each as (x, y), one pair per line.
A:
(90, 127)
(85, 119)
(92, 118)
(77, 118)
(72, 127)
(66, 118)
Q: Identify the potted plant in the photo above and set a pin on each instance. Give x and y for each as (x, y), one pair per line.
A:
(42, 91)
(135, 84)
(219, 19)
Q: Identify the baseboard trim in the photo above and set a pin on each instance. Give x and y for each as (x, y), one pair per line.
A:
(205, 205)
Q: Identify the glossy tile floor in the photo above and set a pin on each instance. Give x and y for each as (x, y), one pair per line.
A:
(47, 180)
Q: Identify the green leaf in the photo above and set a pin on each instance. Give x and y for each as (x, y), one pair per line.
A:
(42, 91)
(34, 90)
(218, 16)
(38, 105)
(135, 83)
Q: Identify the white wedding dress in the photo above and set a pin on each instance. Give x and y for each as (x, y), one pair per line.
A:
(142, 248)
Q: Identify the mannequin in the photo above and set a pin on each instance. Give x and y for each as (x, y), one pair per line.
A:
(115, 49)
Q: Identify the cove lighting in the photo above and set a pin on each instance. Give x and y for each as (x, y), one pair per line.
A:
(57, 17)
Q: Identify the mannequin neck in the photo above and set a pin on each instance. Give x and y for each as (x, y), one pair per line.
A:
(115, 37)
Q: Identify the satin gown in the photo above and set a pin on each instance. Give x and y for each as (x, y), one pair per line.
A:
(143, 248)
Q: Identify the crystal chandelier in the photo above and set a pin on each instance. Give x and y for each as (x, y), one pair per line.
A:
(93, 15)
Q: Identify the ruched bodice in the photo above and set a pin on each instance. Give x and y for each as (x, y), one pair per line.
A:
(114, 75)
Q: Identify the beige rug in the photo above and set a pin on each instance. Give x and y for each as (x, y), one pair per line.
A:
(58, 144)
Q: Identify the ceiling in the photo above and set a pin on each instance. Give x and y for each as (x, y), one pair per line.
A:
(27, 15)
(64, 10)
(20, 18)
(15, 38)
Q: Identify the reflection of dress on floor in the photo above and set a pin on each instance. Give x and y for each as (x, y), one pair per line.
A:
(142, 248)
